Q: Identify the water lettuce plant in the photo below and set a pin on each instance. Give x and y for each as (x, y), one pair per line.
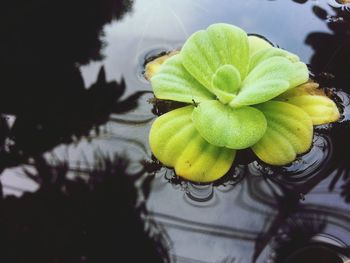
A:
(241, 92)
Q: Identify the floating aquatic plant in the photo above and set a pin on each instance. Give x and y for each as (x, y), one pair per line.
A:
(242, 92)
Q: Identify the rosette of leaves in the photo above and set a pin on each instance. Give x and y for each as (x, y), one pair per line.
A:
(247, 93)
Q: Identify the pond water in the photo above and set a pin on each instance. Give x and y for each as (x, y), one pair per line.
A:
(298, 213)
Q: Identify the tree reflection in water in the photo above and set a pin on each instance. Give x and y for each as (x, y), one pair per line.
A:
(43, 46)
(76, 220)
(329, 64)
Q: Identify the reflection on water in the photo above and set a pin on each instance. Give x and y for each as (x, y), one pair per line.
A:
(304, 167)
(331, 52)
(92, 220)
(42, 85)
(76, 92)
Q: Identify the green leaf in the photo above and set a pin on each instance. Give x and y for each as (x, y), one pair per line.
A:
(256, 44)
(289, 132)
(176, 143)
(264, 82)
(300, 75)
(270, 52)
(221, 125)
(206, 50)
(173, 82)
(314, 102)
(226, 82)
(269, 79)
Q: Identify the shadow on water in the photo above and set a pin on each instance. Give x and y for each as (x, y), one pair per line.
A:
(43, 46)
(77, 220)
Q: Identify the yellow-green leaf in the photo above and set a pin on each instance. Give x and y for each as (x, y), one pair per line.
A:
(176, 143)
(289, 132)
(314, 101)
(153, 66)
(308, 88)
(321, 109)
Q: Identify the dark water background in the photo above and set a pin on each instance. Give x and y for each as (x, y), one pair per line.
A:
(74, 139)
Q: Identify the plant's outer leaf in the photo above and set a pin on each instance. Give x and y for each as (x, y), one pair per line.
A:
(221, 125)
(206, 50)
(256, 44)
(314, 102)
(321, 109)
(226, 82)
(176, 143)
(289, 132)
(173, 82)
(153, 66)
(308, 88)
